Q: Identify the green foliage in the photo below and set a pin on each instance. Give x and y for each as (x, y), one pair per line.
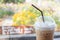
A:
(32, 9)
(1, 1)
(20, 1)
(5, 13)
(13, 1)
(8, 1)
(57, 20)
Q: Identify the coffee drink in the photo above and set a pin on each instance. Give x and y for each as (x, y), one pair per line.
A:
(44, 34)
(44, 30)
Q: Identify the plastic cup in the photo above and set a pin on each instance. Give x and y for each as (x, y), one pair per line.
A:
(44, 30)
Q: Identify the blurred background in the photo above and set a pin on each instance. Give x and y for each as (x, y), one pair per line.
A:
(18, 16)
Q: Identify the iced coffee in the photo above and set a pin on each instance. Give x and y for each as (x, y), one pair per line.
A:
(44, 30)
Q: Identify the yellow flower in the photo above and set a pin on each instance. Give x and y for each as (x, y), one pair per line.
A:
(24, 17)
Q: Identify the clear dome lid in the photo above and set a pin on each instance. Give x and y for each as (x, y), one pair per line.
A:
(49, 23)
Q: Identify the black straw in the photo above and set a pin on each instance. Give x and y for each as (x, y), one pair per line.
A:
(40, 11)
